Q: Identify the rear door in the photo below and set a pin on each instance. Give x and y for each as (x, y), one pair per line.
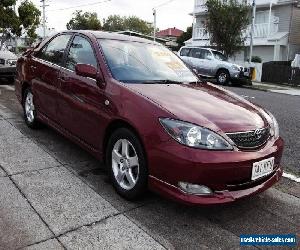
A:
(198, 61)
(45, 68)
(81, 100)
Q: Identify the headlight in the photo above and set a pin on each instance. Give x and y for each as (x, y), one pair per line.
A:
(194, 136)
(12, 62)
(274, 127)
(236, 68)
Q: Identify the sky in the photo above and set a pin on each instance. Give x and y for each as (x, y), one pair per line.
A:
(173, 14)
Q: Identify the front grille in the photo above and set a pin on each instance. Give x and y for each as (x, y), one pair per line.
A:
(250, 139)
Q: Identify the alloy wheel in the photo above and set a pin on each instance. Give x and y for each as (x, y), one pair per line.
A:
(29, 107)
(125, 164)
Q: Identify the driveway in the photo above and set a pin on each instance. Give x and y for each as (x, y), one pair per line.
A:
(53, 195)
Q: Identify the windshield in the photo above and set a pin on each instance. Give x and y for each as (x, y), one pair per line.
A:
(219, 56)
(135, 62)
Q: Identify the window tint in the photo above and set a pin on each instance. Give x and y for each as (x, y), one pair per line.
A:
(201, 53)
(55, 49)
(184, 52)
(196, 53)
(206, 54)
(81, 51)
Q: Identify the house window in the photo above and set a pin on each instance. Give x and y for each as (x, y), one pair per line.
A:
(263, 17)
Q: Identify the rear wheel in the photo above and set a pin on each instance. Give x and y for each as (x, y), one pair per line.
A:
(29, 109)
(223, 77)
(127, 165)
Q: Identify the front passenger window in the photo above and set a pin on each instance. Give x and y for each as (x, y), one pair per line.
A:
(81, 51)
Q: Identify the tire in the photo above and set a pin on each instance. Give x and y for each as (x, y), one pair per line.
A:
(128, 169)
(29, 110)
(223, 77)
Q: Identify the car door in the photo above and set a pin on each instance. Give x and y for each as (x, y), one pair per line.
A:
(184, 55)
(209, 64)
(81, 100)
(45, 66)
(197, 61)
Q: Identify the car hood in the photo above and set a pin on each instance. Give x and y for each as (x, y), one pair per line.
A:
(204, 104)
(7, 55)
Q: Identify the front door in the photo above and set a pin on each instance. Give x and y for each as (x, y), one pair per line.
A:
(81, 100)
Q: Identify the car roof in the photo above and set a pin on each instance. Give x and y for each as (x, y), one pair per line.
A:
(198, 47)
(113, 36)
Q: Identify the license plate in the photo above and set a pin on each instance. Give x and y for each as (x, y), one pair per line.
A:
(246, 73)
(262, 168)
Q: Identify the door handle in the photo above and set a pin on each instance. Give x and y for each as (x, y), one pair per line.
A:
(62, 78)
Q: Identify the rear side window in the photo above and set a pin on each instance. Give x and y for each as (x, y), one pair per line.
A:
(201, 53)
(196, 53)
(54, 51)
(80, 51)
(184, 51)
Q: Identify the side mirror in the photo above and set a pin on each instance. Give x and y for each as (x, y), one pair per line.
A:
(87, 70)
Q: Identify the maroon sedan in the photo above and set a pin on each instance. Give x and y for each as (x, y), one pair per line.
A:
(134, 104)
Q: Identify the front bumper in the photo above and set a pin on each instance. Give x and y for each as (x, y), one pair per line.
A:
(7, 71)
(227, 173)
(240, 75)
(219, 197)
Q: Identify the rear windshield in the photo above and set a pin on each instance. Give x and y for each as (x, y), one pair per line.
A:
(135, 62)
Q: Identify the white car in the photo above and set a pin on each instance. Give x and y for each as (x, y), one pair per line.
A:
(211, 63)
(8, 61)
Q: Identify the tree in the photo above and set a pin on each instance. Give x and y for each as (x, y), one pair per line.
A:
(226, 22)
(113, 23)
(136, 24)
(132, 23)
(84, 21)
(12, 23)
(184, 37)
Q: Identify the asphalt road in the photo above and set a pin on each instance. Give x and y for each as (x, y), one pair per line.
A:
(53, 195)
(286, 109)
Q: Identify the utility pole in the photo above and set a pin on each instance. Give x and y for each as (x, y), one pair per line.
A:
(44, 17)
(154, 24)
(154, 16)
(252, 30)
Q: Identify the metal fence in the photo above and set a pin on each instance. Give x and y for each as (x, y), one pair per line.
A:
(280, 72)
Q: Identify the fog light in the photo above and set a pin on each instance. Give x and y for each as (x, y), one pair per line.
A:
(194, 188)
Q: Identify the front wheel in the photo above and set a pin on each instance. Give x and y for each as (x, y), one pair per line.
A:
(127, 164)
(223, 77)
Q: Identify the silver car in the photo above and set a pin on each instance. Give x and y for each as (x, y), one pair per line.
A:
(211, 63)
(8, 61)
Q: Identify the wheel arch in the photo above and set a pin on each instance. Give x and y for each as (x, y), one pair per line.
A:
(222, 68)
(25, 85)
(113, 126)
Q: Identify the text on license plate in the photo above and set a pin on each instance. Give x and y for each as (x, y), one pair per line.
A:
(262, 168)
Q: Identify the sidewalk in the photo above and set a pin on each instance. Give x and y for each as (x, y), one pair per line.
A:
(282, 89)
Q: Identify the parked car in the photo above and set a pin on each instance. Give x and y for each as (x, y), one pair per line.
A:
(135, 105)
(213, 64)
(8, 62)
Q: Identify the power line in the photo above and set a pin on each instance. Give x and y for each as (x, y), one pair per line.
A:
(82, 5)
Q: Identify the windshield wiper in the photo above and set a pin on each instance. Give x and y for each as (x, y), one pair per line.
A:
(165, 81)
